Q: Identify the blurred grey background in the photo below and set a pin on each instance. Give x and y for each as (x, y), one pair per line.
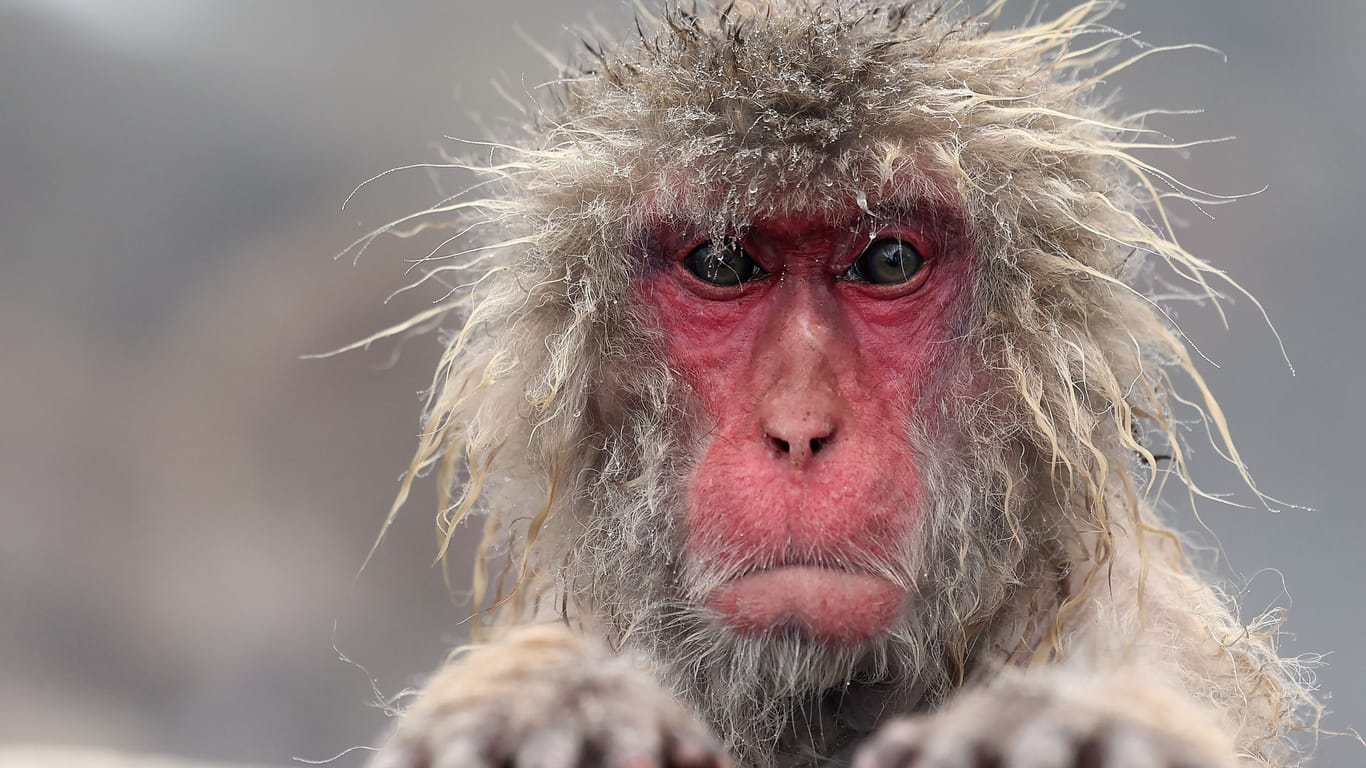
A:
(185, 503)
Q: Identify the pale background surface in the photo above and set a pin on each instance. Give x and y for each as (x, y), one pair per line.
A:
(184, 502)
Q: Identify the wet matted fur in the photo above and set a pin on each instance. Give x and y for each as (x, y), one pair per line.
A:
(554, 414)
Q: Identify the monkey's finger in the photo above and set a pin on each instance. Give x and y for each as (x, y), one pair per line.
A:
(1187, 762)
(951, 753)
(687, 749)
(460, 753)
(1043, 744)
(687, 744)
(896, 745)
(550, 747)
(1129, 748)
(631, 741)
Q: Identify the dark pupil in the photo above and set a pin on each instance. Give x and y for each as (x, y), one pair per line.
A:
(721, 265)
(887, 262)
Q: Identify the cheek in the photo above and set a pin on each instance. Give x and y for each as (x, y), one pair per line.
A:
(706, 342)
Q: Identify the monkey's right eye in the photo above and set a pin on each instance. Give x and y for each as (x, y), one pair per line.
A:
(726, 264)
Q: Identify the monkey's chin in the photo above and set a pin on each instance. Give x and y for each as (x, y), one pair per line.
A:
(826, 605)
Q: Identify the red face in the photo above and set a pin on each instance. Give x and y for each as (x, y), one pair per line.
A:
(809, 345)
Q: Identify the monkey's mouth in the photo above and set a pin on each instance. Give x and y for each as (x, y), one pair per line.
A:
(829, 605)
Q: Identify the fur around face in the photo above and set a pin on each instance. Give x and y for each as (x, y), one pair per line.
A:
(553, 412)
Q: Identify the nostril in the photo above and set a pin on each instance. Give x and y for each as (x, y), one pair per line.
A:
(797, 452)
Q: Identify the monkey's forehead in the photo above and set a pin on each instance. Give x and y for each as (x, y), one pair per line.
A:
(813, 108)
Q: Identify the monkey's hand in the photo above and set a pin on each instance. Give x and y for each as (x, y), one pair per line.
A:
(1054, 724)
(543, 697)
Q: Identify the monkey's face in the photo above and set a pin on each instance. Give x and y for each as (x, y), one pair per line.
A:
(810, 345)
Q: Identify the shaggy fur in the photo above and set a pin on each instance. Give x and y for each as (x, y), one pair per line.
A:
(554, 414)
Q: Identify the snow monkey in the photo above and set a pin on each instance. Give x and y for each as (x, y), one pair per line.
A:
(809, 391)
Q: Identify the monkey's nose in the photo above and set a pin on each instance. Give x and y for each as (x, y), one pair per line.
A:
(800, 442)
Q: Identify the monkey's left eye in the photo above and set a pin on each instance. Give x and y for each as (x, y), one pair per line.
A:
(722, 264)
(886, 262)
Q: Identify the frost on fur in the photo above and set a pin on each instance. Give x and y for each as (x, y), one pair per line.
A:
(553, 414)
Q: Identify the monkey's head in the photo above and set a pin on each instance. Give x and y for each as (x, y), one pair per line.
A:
(806, 334)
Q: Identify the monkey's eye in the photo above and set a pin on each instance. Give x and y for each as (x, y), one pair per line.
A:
(886, 262)
(724, 264)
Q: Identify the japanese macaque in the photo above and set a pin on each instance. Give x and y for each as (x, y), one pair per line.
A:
(811, 396)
